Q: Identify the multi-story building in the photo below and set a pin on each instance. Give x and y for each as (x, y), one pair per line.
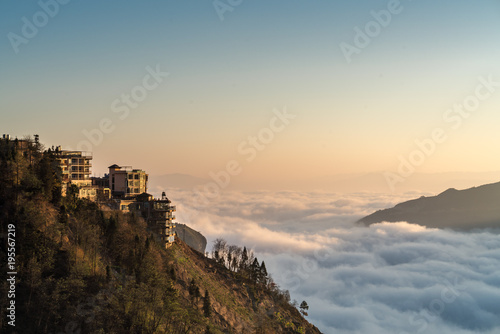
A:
(158, 213)
(75, 165)
(124, 188)
(102, 185)
(76, 169)
(127, 182)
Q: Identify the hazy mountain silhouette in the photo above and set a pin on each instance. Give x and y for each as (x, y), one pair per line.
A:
(477, 207)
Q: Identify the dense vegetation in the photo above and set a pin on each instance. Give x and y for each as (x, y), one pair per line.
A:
(83, 270)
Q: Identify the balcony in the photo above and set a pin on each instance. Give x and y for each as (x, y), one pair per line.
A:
(76, 176)
(163, 207)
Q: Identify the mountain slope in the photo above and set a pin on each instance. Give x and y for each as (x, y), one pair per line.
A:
(239, 306)
(78, 269)
(477, 207)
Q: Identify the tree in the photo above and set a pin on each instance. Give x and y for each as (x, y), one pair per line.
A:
(263, 273)
(229, 259)
(255, 270)
(244, 259)
(216, 256)
(172, 274)
(303, 308)
(194, 290)
(49, 173)
(220, 246)
(234, 264)
(206, 304)
(235, 253)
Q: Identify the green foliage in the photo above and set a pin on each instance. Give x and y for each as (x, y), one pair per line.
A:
(303, 308)
(49, 174)
(81, 270)
(206, 304)
(263, 276)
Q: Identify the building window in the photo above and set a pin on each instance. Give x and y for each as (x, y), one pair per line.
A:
(136, 176)
(130, 176)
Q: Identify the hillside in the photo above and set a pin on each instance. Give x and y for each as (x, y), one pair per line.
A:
(239, 306)
(78, 269)
(468, 209)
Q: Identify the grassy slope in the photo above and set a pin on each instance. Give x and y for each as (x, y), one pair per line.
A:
(238, 305)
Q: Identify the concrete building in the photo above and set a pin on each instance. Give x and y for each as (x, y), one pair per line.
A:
(76, 169)
(76, 166)
(102, 186)
(127, 182)
(158, 214)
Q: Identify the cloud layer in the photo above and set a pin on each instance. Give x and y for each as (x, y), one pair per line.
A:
(386, 278)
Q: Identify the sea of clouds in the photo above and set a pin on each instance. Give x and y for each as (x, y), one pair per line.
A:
(386, 278)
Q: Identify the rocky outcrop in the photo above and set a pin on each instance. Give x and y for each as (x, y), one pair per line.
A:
(191, 237)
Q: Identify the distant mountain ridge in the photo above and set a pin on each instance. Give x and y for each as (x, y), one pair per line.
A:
(474, 208)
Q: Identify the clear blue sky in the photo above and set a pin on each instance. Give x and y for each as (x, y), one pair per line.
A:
(226, 77)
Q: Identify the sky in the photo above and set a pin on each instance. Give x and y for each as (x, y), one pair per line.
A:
(387, 278)
(284, 92)
(287, 89)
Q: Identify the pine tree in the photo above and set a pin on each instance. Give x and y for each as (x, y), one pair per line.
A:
(244, 259)
(172, 274)
(255, 270)
(206, 304)
(263, 273)
(194, 290)
(303, 308)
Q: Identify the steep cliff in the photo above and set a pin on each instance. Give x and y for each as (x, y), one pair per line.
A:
(192, 238)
